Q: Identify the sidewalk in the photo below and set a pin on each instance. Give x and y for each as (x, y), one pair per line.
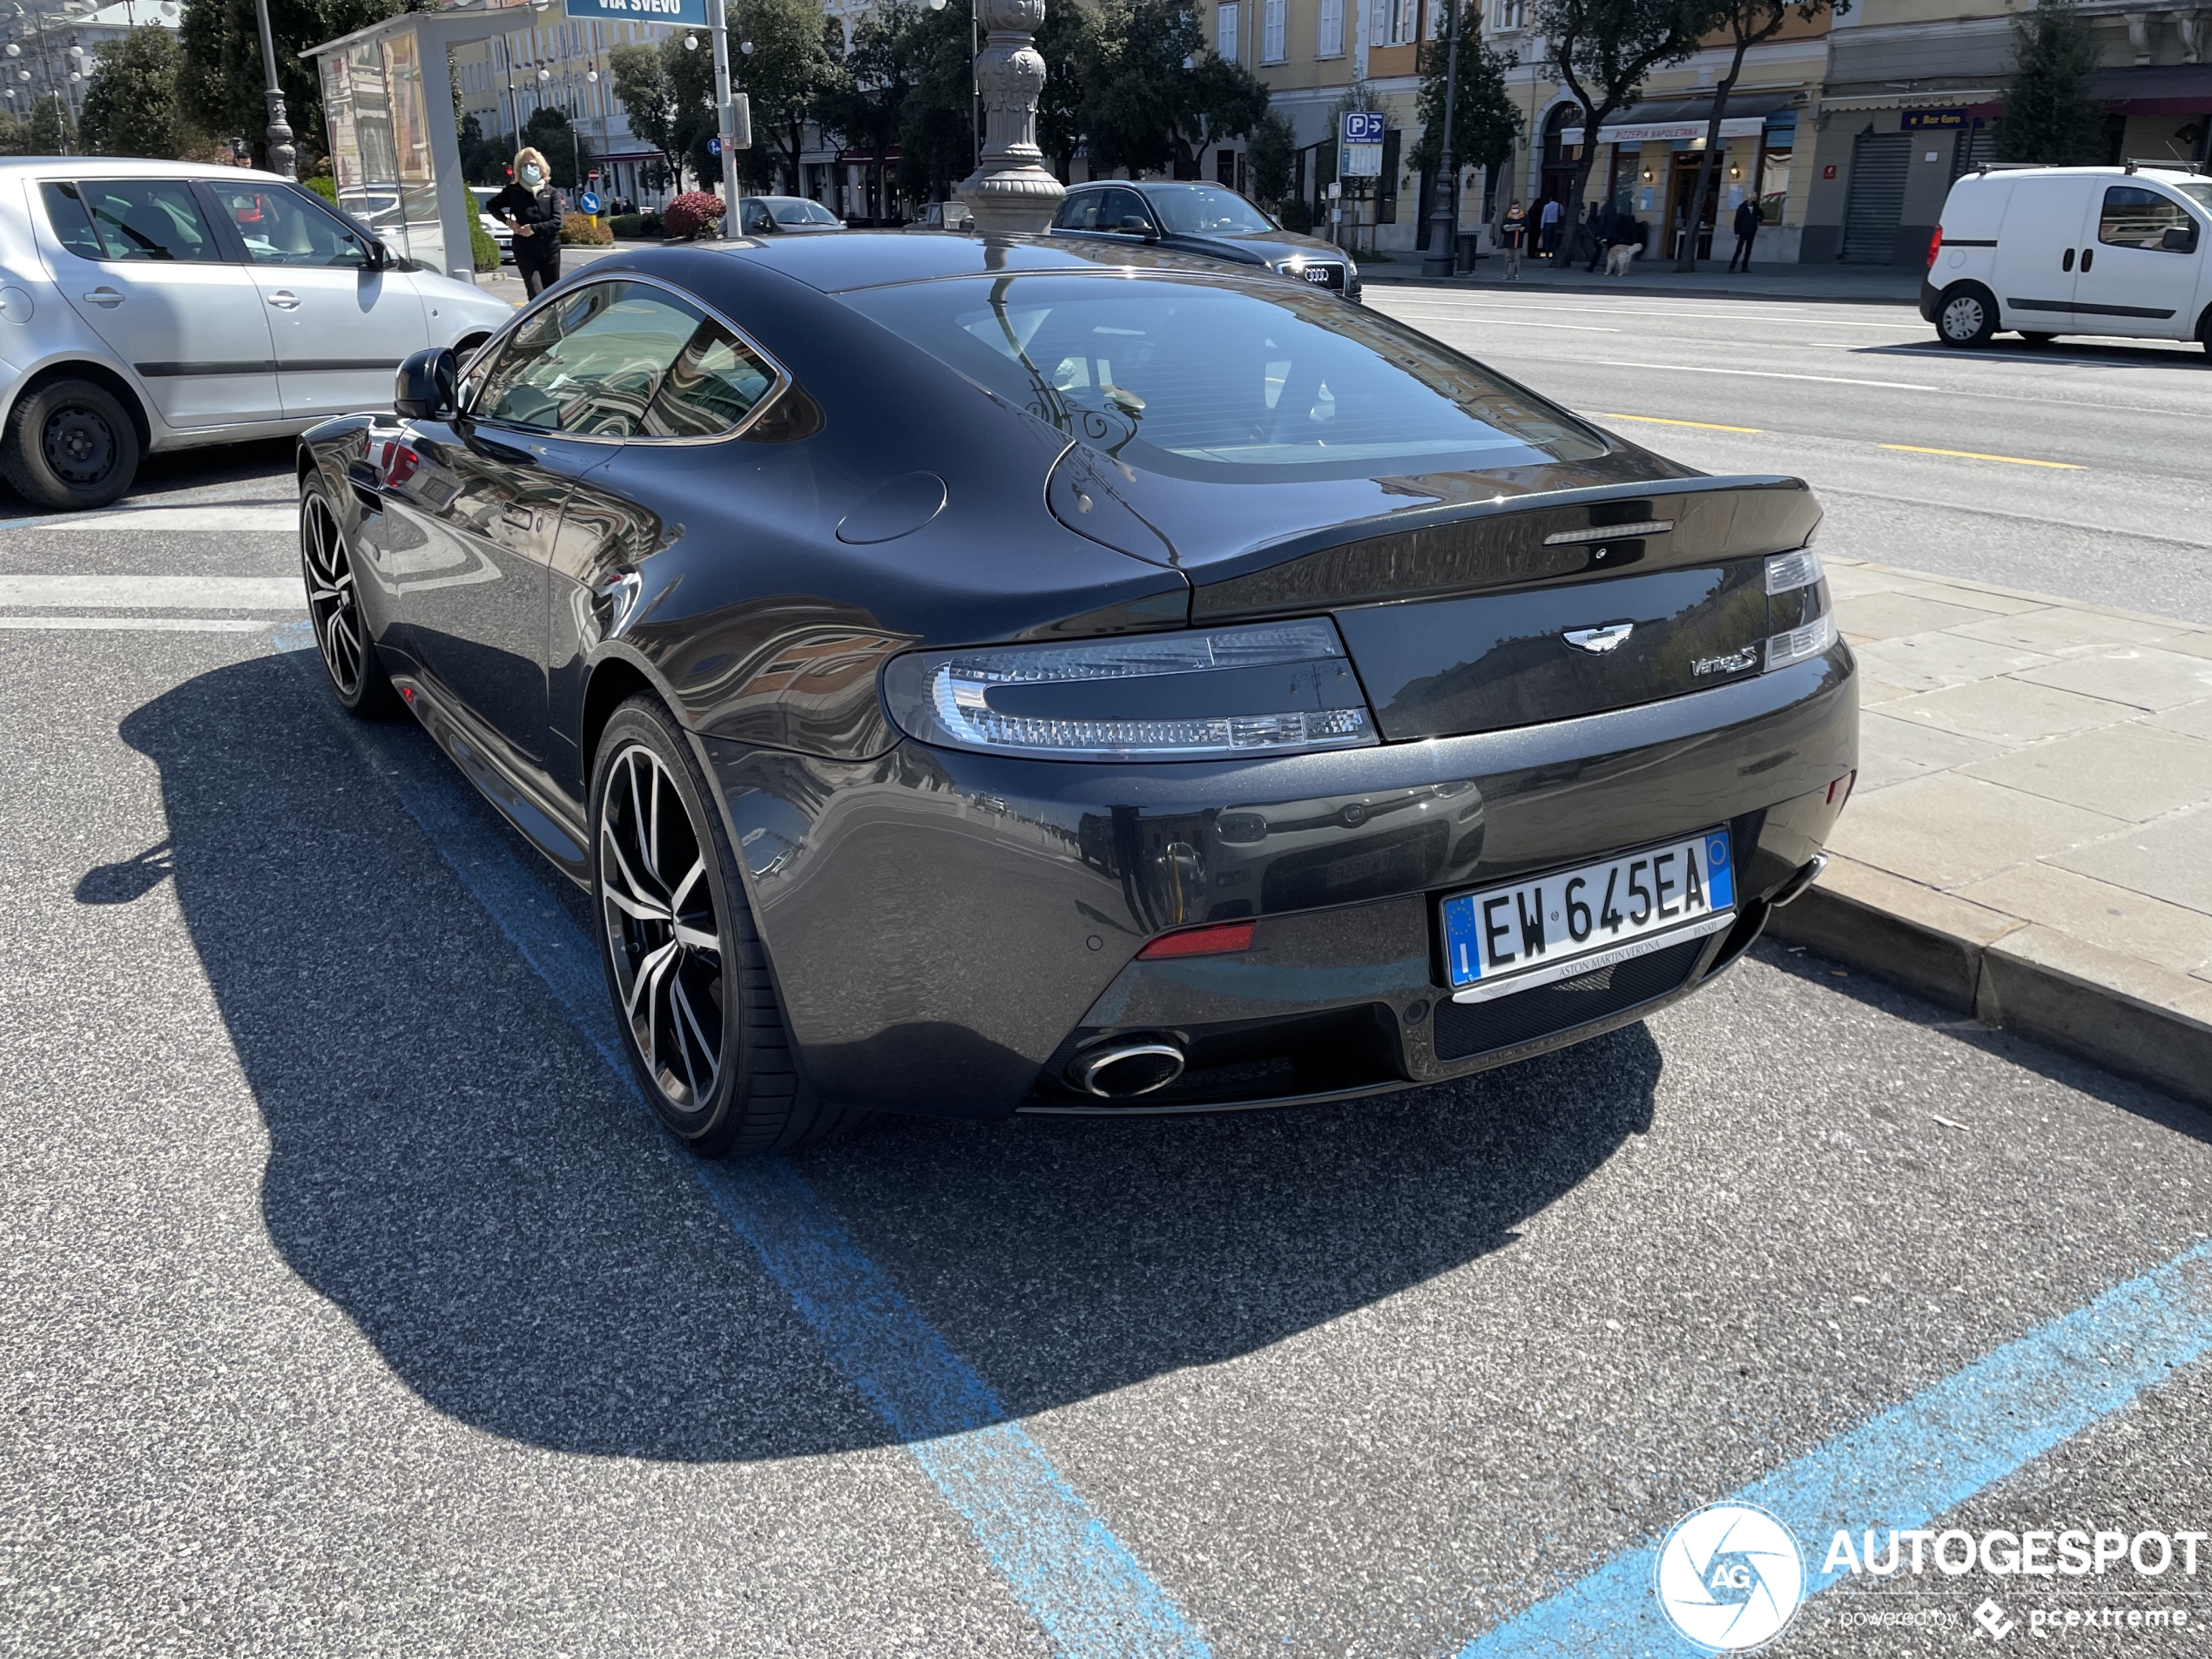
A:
(1853, 284)
(2030, 839)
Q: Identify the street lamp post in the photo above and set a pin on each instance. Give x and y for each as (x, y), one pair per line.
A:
(1010, 189)
(1439, 261)
(725, 121)
(283, 158)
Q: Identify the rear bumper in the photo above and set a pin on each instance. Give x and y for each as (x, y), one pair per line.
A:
(947, 927)
(1931, 299)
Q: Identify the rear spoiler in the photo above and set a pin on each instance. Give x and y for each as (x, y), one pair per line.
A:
(1517, 542)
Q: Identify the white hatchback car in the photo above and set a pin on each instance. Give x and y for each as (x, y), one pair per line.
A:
(2050, 251)
(158, 305)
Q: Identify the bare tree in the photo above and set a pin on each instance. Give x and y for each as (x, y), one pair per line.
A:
(1602, 49)
(1748, 22)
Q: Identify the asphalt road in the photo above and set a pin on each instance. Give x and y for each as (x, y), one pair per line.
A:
(2083, 475)
(350, 1305)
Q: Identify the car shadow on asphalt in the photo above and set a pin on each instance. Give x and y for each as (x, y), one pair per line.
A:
(452, 1166)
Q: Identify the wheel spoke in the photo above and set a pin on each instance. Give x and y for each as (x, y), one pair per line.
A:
(691, 877)
(636, 895)
(697, 939)
(707, 1050)
(638, 909)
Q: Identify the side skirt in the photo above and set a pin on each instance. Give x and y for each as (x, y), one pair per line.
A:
(528, 799)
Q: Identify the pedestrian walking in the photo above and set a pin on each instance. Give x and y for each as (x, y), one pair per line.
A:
(1597, 229)
(1513, 236)
(1749, 218)
(532, 207)
(1547, 225)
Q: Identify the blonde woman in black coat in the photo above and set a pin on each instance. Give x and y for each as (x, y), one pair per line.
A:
(532, 207)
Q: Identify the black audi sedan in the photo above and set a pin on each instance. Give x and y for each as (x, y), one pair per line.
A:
(976, 676)
(1209, 219)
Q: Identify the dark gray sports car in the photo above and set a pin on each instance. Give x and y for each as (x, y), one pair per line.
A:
(976, 676)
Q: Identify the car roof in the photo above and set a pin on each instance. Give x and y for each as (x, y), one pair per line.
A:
(2163, 171)
(126, 167)
(875, 258)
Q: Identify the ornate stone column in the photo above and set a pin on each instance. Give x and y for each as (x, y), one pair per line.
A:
(1011, 190)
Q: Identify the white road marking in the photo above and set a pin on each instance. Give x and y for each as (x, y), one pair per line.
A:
(1514, 322)
(1754, 373)
(141, 625)
(217, 518)
(1749, 313)
(157, 592)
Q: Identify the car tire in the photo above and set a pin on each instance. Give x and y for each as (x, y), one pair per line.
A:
(1965, 315)
(342, 636)
(664, 883)
(70, 446)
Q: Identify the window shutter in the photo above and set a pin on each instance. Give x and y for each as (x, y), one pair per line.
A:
(1224, 41)
(1272, 46)
(1329, 42)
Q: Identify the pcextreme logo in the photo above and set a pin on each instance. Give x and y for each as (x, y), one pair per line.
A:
(1729, 1577)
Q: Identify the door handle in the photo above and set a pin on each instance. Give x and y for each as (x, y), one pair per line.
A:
(103, 296)
(2087, 254)
(284, 299)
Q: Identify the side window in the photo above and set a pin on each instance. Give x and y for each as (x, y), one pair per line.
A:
(72, 223)
(131, 218)
(715, 383)
(1080, 212)
(1118, 206)
(2134, 217)
(590, 364)
(279, 226)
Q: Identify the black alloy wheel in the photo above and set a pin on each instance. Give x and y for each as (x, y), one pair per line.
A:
(691, 985)
(70, 445)
(1966, 316)
(333, 609)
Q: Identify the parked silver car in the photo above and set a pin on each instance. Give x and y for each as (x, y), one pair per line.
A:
(158, 305)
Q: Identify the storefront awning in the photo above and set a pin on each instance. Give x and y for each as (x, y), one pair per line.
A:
(1937, 99)
(2175, 88)
(1662, 122)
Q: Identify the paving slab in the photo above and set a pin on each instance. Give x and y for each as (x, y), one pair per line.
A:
(2031, 838)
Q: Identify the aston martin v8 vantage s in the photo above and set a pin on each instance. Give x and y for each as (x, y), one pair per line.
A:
(975, 676)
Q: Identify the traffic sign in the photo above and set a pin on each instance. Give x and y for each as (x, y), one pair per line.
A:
(588, 202)
(661, 11)
(1361, 144)
(714, 146)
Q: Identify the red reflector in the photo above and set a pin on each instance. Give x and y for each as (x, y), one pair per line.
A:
(1935, 246)
(1839, 790)
(1216, 941)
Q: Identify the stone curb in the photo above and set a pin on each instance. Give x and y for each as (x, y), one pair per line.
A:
(1370, 278)
(1962, 956)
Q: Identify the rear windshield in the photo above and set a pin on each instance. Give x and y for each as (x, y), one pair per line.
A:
(1252, 382)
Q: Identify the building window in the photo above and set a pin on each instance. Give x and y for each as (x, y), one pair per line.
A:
(1403, 20)
(1774, 186)
(1225, 38)
(1271, 47)
(1328, 41)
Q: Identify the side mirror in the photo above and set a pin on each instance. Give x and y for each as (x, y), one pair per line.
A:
(427, 384)
(1136, 225)
(2180, 238)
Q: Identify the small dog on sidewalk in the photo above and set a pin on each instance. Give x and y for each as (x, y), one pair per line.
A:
(1618, 256)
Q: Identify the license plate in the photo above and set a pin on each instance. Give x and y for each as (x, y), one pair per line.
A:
(1502, 940)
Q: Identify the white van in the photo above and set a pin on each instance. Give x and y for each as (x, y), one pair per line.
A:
(2048, 251)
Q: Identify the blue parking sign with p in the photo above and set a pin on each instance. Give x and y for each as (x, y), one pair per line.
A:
(1363, 126)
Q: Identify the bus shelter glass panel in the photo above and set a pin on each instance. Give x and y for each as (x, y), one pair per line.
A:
(379, 144)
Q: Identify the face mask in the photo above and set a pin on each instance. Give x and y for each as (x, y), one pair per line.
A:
(532, 175)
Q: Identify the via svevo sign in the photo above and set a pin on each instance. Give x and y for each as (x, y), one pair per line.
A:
(665, 12)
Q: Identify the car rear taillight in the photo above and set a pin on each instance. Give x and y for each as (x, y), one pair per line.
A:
(1935, 246)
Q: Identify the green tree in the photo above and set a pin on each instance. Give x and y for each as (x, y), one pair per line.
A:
(668, 94)
(1272, 155)
(50, 129)
(937, 127)
(483, 160)
(222, 86)
(1602, 49)
(565, 149)
(130, 108)
(883, 69)
(791, 66)
(2048, 118)
(1154, 94)
(1748, 22)
(1484, 120)
(1064, 41)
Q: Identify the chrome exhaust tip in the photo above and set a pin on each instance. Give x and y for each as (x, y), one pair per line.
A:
(1795, 886)
(1124, 1070)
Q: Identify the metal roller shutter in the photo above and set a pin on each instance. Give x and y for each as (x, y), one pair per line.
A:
(1878, 164)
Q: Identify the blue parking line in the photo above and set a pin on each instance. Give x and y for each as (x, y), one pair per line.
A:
(1064, 1565)
(1913, 1463)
